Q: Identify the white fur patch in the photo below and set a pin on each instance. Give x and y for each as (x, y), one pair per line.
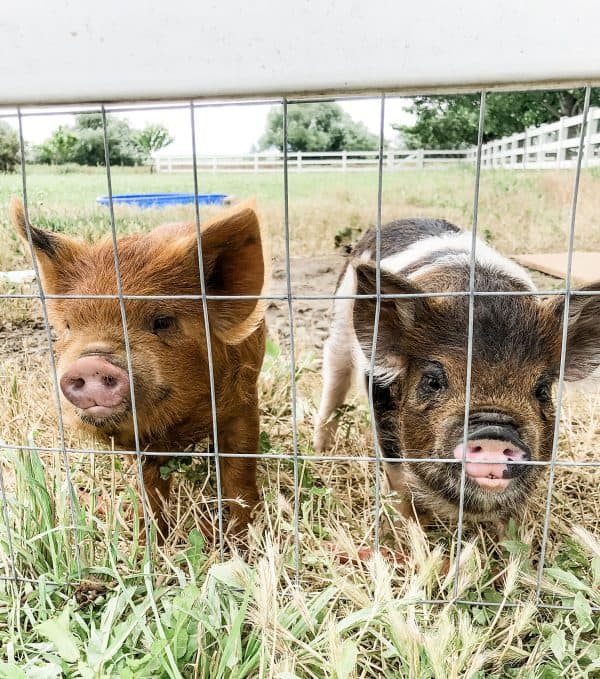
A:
(457, 249)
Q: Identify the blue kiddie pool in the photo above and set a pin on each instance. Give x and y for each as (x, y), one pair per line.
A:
(160, 200)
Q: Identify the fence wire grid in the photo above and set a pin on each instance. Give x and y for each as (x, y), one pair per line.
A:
(378, 458)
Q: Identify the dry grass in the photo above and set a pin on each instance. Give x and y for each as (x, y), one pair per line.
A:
(353, 615)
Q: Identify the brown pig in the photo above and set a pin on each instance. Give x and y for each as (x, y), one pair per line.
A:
(167, 340)
(419, 381)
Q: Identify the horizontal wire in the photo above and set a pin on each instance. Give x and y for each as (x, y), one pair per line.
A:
(132, 108)
(401, 602)
(308, 298)
(307, 458)
(178, 105)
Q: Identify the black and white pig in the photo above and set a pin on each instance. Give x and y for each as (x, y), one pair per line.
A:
(421, 364)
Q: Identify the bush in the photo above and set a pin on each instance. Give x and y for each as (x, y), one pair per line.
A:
(83, 143)
(9, 148)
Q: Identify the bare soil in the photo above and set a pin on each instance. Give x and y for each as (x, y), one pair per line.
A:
(309, 276)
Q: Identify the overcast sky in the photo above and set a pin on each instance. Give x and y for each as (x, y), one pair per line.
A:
(223, 129)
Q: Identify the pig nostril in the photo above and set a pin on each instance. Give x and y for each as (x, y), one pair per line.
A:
(508, 452)
(110, 381)
(477, 449)
(78, 383)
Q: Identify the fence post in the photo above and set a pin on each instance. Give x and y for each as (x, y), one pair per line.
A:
(525, 148)
(561, 153)
(299, 160)
(540, 155)
(214, 164)
(169, 165)
(421, 158)
(591, 128)
(344, 160)
(157, 164)
(256, 162)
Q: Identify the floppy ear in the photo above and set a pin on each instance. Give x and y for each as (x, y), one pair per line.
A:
(53, 251)
(583, 335)
(396, 318)
(234, 265)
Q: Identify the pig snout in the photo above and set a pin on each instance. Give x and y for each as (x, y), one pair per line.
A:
(95, 385)
(489, 449)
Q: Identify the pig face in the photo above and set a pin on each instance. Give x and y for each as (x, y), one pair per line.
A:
(421, 374)
(166, 337)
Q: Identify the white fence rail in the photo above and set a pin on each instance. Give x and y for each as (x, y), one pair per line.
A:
(549, 146)
(345, 161)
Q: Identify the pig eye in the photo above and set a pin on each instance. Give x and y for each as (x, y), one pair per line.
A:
(543, 392)
(432, 382)
(162, 323)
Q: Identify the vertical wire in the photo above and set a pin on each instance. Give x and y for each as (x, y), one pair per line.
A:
(288, 276)
(463, 470)
(563, 350)
(211, 372)
(136, 434)
(377, 447)
(11, 551)
(55, 383)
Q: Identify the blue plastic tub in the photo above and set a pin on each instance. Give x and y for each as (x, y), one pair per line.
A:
(158, 200)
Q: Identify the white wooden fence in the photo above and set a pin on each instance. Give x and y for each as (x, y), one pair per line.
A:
(322, 161)
(549, 146)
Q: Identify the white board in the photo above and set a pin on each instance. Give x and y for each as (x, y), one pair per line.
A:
(123, 50)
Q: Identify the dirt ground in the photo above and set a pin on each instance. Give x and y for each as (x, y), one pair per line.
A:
(310, 276)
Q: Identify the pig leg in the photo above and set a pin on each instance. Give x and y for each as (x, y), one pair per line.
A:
(238, 475)
(337, 379)
(157, 492)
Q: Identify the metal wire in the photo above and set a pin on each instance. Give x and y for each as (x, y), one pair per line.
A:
(290, 305)
(136, 434)
(563, 349)
(463, 471)
(209, 352)
(376, 445)
(302, 298)
(287, 456)
(377, 458)
(55, 384)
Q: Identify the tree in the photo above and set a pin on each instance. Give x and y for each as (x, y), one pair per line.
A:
(452, 121)
(317, 127)
(153, 138)
(9, 148)
(58, 149)
(83, 143)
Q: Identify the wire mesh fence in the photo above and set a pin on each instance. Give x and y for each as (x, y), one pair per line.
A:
(217, 456)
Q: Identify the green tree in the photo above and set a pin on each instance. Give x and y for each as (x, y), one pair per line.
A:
(153, 138)
(83, 143)
(317, 127)
(452, 121)
(9, 147)
(58, 149)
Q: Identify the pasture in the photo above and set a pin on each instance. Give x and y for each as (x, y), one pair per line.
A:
(92, 604)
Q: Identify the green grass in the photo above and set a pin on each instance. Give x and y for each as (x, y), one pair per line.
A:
(100, 605)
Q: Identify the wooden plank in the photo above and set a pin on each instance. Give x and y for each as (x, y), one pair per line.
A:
(585, 268)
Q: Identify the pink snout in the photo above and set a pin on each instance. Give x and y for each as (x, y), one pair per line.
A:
(95, 385)
(486, 461)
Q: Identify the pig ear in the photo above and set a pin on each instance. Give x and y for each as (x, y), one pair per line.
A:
(234, 265)
(53, 251)
(396, 318)
(583, 338)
